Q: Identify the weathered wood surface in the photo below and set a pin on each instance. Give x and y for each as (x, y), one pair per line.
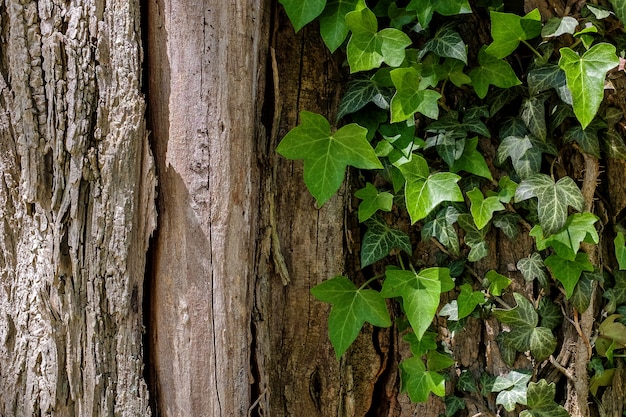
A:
(76, 209)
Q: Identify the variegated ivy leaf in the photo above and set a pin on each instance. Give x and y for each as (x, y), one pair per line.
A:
(362, 92)
(446, 43)
(540, 401)
(549, 77)
(558, 26)
(619, 7)
(533, 268)
(511, 389)
(553, 199)
(380, 240)
(474, 238)
(533, 113)
(525, 156)
(441, 227)
(586, 138)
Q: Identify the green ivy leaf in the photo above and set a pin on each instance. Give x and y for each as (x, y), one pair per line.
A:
(426, 8)
(453, 405)
(507, 30)
(533, 268)
(360, 93)
(507, 189)
(567, 271)
(540, 401)
(436, 361)
(620, 250)
(581, 298)
(372, 201)
(472, 161)
(424, 191)
(412, 97)
(468, 300)
(446, 43)
(367, 48)
(525, 157)
(553, 199)
(420, 346)
(620, 9)
(302, 12)
(352, 307)
(452, 69)
(578, 228)
(512, 389)
(474, 238)
(420, 294)
(325, 154)
(380, 240)
(442, 228)
(333, 26)
(558, 26)
(482, 208)
(585, 78)
(586, 138)
(497, 283)
(418, 382)
(551, 315)
(492, 71)
(533, 113)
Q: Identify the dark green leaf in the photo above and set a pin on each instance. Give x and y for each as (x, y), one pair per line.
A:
(551, 315)
(492, 71)
(453, 405)
(546, 77)
(525, 157)
(333, 26)
(567, 271)
(449, 144)
(380, 240)
(587, 139)
(533, 114)
(446, 43)
(302, 12)
(327, 154)
(426, 8)
(614, 144)
(619, 7)
(581, 298)
(472, 161)
(508, 223)
(617, 294)
(474, 238)
(540, 401)
(466, 382)
(620, 250)
(360, 93)
(442, 228)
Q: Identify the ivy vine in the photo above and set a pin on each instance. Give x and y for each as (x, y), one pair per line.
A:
(420, 151)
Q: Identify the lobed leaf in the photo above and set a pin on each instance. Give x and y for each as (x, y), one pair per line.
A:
(508, 29)
(492, 71)
(301, 12)
(379, 240)
(568, 272)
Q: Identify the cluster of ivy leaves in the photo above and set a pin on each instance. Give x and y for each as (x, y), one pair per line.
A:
(426, 159)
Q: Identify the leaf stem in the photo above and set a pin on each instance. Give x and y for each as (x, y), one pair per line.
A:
(532, 49)
(374, 278)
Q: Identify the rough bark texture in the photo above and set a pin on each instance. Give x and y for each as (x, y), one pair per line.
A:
(204, 65)
(76, 209)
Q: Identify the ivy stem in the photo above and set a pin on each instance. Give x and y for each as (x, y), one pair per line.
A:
(374, 278)
(532, 49)
(401, 263)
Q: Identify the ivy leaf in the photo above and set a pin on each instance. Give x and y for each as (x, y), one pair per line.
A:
(497, 282)
(380, 240)
(507, 30)
(325, 154)
(620, 250)
(586, 138)
(418, 382)
(333, 26)
(551, 315)
(617, 294)
(474, 238)
(352, 307)
(468, 300)
(420, 346)
(452, 69)
(557, 26)
(367, 48)
(472, 161)
(512, 389)
(620, 9)
(411, 97)
(446, 43)
(549, 77)
(581, 298)
(372, 201)
(508, 223)
(482, 208)
(533, 268)
(424, 191)
(568, 272)
(578, 228)
(524, 334)
(302, 12)
(585, 78)
(540, 401)
(449, 144)
(492, 71)
(553, 199)
(533, 114)
(442, 229)
(436, 361)
(420, 294)
(525, 157)
(360, 93)
(426, 8)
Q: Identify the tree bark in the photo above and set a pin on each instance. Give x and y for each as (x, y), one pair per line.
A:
(77, 209)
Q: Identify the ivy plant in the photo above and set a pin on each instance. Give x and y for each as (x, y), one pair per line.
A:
(463, 140)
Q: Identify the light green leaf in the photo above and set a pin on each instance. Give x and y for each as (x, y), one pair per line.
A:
(492, 71)
(372, 201)
(352, 307)
(533, 113)
(360, 93)
(367, 48)
(446, 43)
(411, 97)
(380, 240)
(568, 272)
(512, 389)
(540, 401)
(472, 161)
(424, 191)
(301, 12)
(333, 26)
(553, 199)
(418, 382)
(497, 283)
(619, 7)
(620, 250)
(558, 26)
(507, 30)
(578, 228)
(482, 208)
(585, 78)
(452, 69)
(468, 300)
(507, 189)
(420, 294)
(325, 154)
(533, 267)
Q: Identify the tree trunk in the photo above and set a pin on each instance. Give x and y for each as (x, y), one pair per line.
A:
(77, 209)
